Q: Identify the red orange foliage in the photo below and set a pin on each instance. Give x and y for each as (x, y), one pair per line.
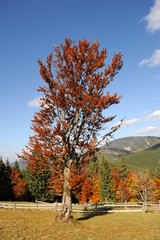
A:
(116, 177)
(123, 193)
(72, 107)
(86, 192)
(156, 182)
(18, 183)
(73, 100)
(141, 187)
(95, 190)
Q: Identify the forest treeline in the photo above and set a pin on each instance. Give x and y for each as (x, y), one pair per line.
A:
(95, 182)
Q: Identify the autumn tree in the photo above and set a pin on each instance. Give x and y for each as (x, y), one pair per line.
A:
(123, 193)
(18, 183)
(77, 181)
(156, 182)
(86, 192)
(95, 189)
(71, 112)
(116, 177)
(131, 184)
(141, 186)
(145, 187)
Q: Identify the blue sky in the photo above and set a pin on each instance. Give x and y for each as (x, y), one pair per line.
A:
(30, 29)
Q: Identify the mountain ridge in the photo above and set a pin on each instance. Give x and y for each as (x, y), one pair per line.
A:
(128, 145)
(144, 152)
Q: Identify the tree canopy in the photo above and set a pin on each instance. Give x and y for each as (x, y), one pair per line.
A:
(72, 110)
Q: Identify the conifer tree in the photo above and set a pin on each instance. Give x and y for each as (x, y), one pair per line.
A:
(6, 192)
(107, 192)
(123, 168)
(2, 180)
(16, 165)
(37, 184)
(152, 172)
(94, 167)
(2, 165)
(158, 171)
(8, 167)
(9, 190)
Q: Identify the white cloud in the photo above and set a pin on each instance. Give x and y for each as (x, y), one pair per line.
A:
(147, 130)
(153, 61)
(130, 122)
(127, 123)
(155, 116)
(153, 18)
(157, 76)
(2, 151)
(34, 103)
(145, 112)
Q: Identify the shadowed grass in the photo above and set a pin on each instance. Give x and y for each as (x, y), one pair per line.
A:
(34, 224)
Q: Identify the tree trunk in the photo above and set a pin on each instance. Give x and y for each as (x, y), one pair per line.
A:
(66, 198)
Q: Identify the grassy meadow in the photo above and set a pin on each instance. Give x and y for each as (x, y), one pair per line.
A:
(34, 224)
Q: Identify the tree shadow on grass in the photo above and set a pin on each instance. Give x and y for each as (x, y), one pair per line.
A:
(100, 212)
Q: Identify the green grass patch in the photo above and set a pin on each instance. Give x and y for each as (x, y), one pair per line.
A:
(34, 224)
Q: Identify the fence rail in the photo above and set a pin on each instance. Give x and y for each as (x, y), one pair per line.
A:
(87, 207)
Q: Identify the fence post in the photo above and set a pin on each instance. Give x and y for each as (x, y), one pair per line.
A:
(55, 209)
(144, 207)
(96, 207)
(14, 206)
(125, 204)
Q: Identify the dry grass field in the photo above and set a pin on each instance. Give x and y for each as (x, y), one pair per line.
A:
(34, 224)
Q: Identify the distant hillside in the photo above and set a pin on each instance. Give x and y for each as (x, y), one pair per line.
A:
(21, 165)
(127, 146)
(139, 152)
(144, 160)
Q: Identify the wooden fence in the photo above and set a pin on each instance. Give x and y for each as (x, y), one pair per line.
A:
(87, 207)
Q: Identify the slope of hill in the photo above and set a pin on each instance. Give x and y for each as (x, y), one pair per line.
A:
(140, 152)
(147, 159)
(127, 146)
(21, 165)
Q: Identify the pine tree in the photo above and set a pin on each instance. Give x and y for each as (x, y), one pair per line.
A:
(158, 171)
(2, 165)
(2, 180)
(9, 190)
(5, 184)
(107, 192)
(123, 168)
(37, 184)
(16, 165)
(152, 172)
(94, 167)
(7, 164)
